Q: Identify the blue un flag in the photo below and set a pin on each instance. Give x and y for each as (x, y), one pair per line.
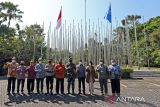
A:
(108, 16)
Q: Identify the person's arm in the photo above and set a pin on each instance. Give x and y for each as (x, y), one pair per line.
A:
(119, 72)
(67, 67)
(97, 68)
(94, 71)
(36, 69)
(74, 68)
(46, 67)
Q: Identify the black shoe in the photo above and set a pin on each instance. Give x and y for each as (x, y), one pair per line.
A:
(51, 93)
(102, 93)
(68, 93)
(79, 93)
(47, 93)
(62, 93)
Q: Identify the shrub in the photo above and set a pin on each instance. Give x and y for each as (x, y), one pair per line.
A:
(125, 72)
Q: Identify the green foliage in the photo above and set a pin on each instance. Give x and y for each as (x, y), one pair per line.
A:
(148, 36)
(125, 72)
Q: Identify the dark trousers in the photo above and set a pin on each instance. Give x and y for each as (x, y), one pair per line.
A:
(11, 83)
(49, 82)
(103, 85)
(71, 82)
(81, 81)
(20, 82)
(115, 84)
(30, 85)
(58, 82)
(40, 80)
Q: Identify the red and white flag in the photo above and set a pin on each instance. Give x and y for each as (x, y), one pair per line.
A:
(59, 20)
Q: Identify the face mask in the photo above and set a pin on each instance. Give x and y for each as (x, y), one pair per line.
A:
(80, 63)
(100, 63)
(113, 63)
(13, 61)
(22, 64)
(40, 62)
(49, 61)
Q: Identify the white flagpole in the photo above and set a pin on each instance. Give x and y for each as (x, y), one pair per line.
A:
(42, 43)
(85, 33)
(89, 46)
(82, 43)
(135, 31)
(128, 41)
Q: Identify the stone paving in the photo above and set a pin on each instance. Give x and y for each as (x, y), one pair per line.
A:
(147, 88)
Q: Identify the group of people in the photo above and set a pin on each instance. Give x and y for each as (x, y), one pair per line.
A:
(49, 71)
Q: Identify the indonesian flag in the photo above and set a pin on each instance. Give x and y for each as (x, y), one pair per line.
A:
(59, 20)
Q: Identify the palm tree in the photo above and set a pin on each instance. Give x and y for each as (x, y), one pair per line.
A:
(10, 11)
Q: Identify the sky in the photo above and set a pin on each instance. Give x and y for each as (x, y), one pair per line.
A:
(39, 11)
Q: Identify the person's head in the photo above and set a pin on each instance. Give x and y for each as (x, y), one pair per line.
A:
(101, 61)
(70, 60)
(50, 61)
(22, 63)
(80, 61)
(90, 63)
(60, 61)
(113, 61)
(14, 60)
(32, 63)
(40, 60)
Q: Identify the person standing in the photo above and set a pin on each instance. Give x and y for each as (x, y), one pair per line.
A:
(11, 75)
(102, 69)
(30, 77)
(90, 78)
(59, 74)
(49, 76)
(71, 75)
(115, 75)
(21, 71)
(81, 76)
(40, 74)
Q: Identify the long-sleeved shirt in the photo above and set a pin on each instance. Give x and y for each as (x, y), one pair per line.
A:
(103, 71)
(49, 69)
(115, 72)
(81, 71)
(21, 71)
(59, 71)
(71, 71)
(40, 70)
(31, 72)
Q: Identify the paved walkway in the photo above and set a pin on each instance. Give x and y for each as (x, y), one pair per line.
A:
(147, 91)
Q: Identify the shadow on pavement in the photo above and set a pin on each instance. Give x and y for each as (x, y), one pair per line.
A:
(59, 99)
